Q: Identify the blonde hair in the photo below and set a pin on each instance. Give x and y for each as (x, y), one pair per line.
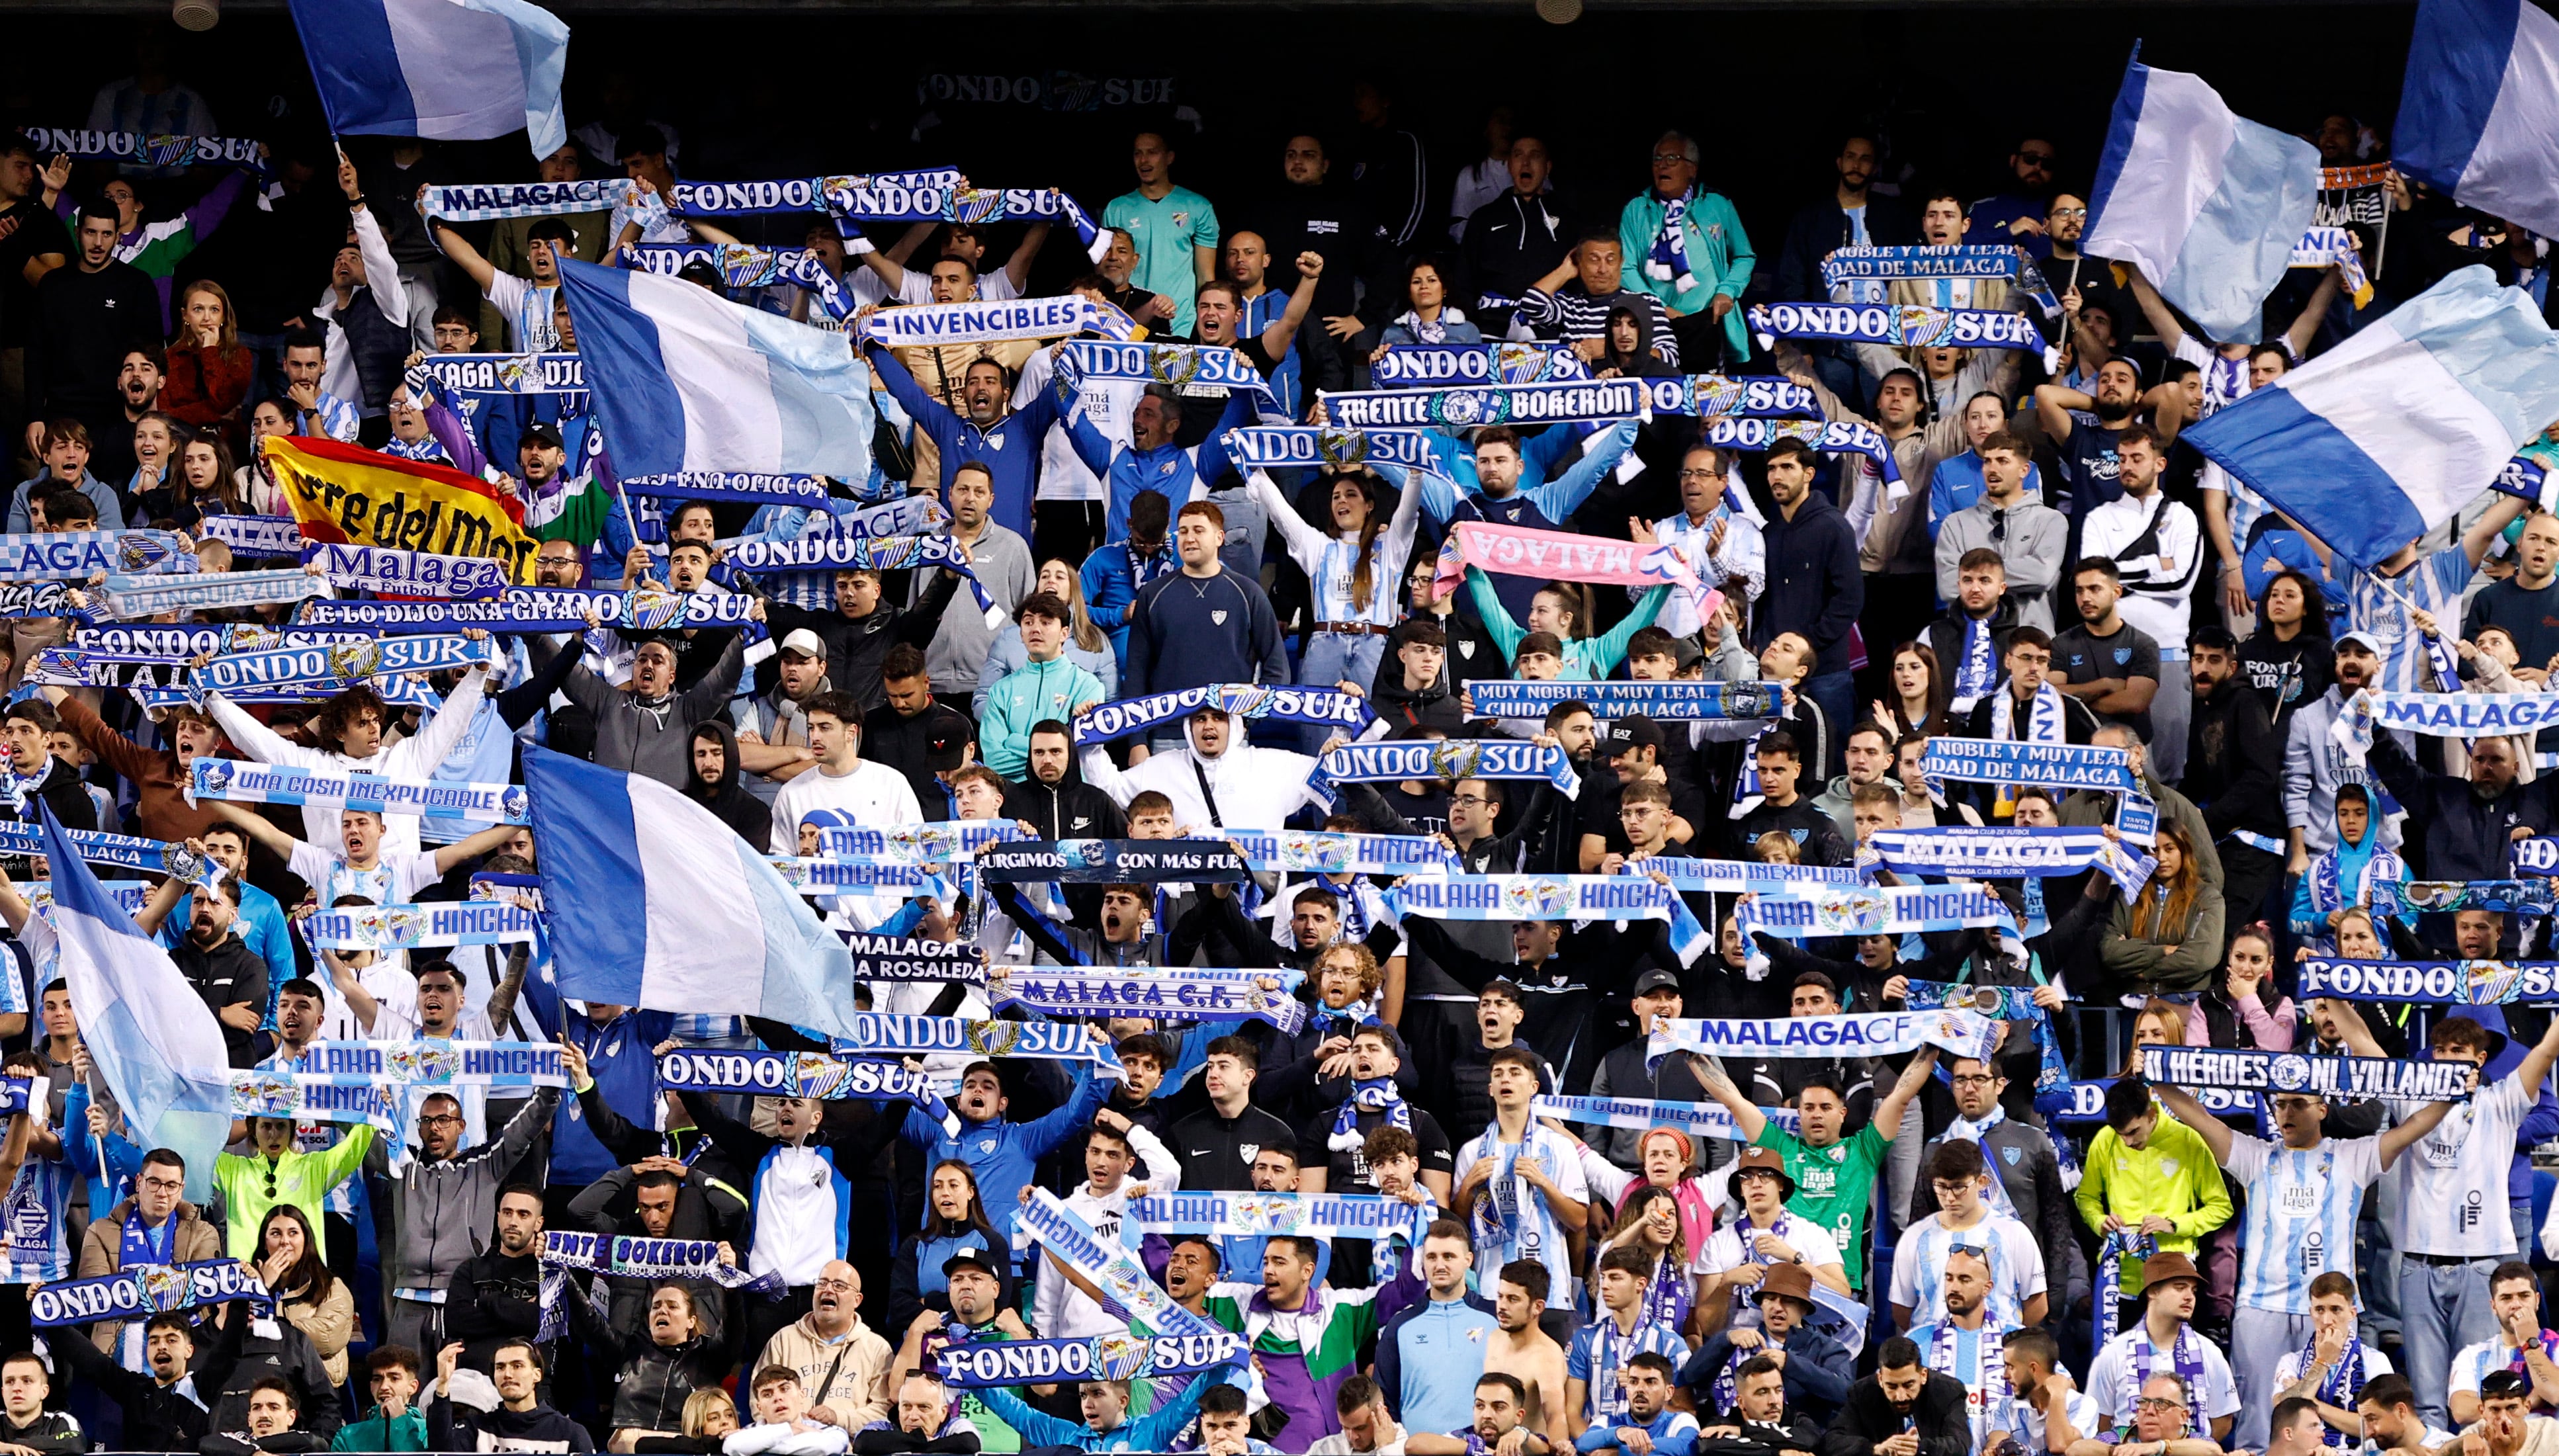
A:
(1083, 632)
(2171, 1019)
(1363, 961)
(1776, 848)
(698, 1406)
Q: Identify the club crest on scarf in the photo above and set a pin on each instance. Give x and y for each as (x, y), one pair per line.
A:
(138, 552)
(164, 1287)
(654, 611)
(1120, 1357)
(1324, 853)
(358, 660)
(1528, 364)
(1850, 911)
(422, 1064)
(1537, 896)
(1280, 1215)
(265, 1095)
(1465, 408)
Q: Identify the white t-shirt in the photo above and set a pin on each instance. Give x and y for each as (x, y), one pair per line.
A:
(2288, 1369)
(794, 1216)
(2477, 1361)
(1562, 1164)
(527, 307)
(394, 880)
(2113, 1377)
(1920, 1266)
(2301, 1207)
(1730, 1247)
(2456, 1175)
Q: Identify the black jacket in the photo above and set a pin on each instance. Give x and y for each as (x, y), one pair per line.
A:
(157, 1418)
(1574, 997)
(491, 1298)
(856, 645)
(1332, 222)
(1868, 1419)
(459, 1428)
(228, 974)
(2461, 836)
(242, 1443)
(1462, 1095)
(242, 1356)
(1509, 243)
(2234, 762)
(1814, 583)
(1945, 638)
(742, 811)
(1823, 226)
(62, 792)
(897, 741)
(85, 323)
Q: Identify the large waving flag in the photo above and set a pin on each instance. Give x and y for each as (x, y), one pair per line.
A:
(2383, 438)
(347, 494)
(690, 383)
(654, 902)
(2208, 203)
(443, 69)
(152, 1037)
(2478, 111)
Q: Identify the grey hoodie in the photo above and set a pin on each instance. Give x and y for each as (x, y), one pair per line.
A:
(442, 1212)
(655, 737)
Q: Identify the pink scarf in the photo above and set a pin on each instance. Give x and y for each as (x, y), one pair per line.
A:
(1555, 556)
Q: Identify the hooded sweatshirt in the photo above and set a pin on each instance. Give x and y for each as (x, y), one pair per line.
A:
(741, 810)
(653, 737)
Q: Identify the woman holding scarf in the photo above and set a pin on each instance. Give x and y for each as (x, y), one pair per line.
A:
(1353, 566)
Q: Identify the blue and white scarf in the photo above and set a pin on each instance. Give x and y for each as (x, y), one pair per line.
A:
(1551, 896)
(1869, 1034)
(2054, 765)
(872, 553)
(1900, 327)
(2006, 851)
(910, 196)
(802, 1074)
(150, 1289)
(78, 555)
(1342, 854)
(927, 324)
(1377, 1094)
(1450, 759)
(1126, 1290)
(1743, 877)
(2319, 1077)
(1813, 911)
(39, 599)
(490, 202)
(1169, 995)
(975, 205)
(282, 1092)
(976, 1366)
(406, 573)
(1185, 366)
(432, 1061)
(1417, 366)
(1839, 436)
(1596, 400)
(2107, 1306)
(730, 485)
(2006, 1003)
(648, 1260)
(1978, 672)
(1510, 1213)
(388, 928)
(1730, 396)
(1713, 702)
(2343, 1380)
(1666, 260)
(124, 851)
(145, 149)
(1698, 1120)
(1973, 1131)
(742, 265)
(1305, 447)
(1941, 260)
(340, 664)
(946, 842)
(499, 373)
(1121, 717)
(1111, 861)
(2459, 983)
(2534, 896)
(875, 1033)
(253, 535)
(538, 609)
(2441, 715)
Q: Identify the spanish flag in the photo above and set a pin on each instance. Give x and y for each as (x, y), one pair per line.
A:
(347, 493)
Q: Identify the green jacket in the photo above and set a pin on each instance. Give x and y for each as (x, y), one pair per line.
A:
(1718, 257)
(1026, 695)
(300, 1179)
(375, 1432)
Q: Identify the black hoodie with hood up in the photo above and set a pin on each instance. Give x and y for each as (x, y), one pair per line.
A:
(1070, 808)
(740, 809)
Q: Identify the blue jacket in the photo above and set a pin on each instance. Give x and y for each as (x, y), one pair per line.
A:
(1009, 448)
(110, 505)
(619, 1057)
(1168, 470)
(1543, 506)
(1149, 1432)
(1445, 1343)
(1001, 1153)
(1674, 1433)
(1113, 576)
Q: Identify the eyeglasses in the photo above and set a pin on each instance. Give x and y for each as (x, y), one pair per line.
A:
(1975, 1079)
(2158, 1403)
(1670, 156)
(2070, 213)
(1477, 800)
(1700, 475)
(439, 1119)
(841, 1286)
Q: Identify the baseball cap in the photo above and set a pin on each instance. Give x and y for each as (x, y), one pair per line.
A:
(804, 643)
(2364, 639)
(1656, 979)
(945, 746)
(1634, 731)
(541, 433)
(971, 1258)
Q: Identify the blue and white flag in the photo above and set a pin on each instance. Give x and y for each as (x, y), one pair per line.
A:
(976, 1365)
(442, 70)
(688, 382)
(1121, 717)
(653, 904)
(253, 535)
(383, 929)
(2279, 1072)
(2208, 203)
(1303, 447)
(1844, 910)
(1713, 702)
(2479, 109)
(2385, 436)
(1167, 995)
(2053, 765)
(2006, 851)
(1596, 400)
(151, 1036)
(406, 573)
(535, 609)
(927, 326)
(78, 555)
(2457, 982)
(1450, 759)
(1418, 365)
(1873, 1034)
(1700, 1120)
(1550, 897)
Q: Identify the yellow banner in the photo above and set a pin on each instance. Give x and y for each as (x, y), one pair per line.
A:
(344, 493)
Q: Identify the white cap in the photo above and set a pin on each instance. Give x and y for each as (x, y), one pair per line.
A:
(804, 643)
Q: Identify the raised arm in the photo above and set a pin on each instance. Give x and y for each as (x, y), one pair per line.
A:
(257, 827)
(2400, 1138)
(2163, 319)
(2215, 1133)
(1888, 1111)
(1301, 300)
(1745, 1113)
(2306, 323)
(469, 258)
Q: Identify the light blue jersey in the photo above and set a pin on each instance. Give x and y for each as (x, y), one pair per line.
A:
(2302, 1206)
(2435, 583)
(1600, 1355)
(1920, 1266)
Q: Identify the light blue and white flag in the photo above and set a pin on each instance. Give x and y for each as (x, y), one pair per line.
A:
(1596, 400)
(2004, 851)
(2053, 765)
(1713, 702)
(151, 1036)
(2458, 982)
(2206, 203)
(688, 382)
(442, 70)
(405, 573)
(1844, 910)
(1868, 1034)
(1551, 896)
(654, 905)
(2385, 436)
(2479, 109)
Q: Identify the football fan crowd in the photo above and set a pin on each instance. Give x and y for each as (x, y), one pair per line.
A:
(1271, 1089)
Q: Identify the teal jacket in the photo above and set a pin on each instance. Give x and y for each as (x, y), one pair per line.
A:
(1585, 658)
(1031, 693)
(1718, 257)
(405, 1432)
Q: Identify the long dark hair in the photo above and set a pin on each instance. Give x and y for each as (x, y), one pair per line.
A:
(1939, 695)
(2314, 603)
(310, 1274)
(976, 1216)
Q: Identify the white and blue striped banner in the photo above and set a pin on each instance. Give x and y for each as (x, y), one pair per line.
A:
(1127, 1289)
(1243, 1214)
(1868, 1034)
(2441, 715)
(1813, 911)
(241, 782)
(275, 1094)
(2278, 1074)
(2006, 851)
(1608, 701)
(432, 1061)
(388, 928)
(405, 573)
